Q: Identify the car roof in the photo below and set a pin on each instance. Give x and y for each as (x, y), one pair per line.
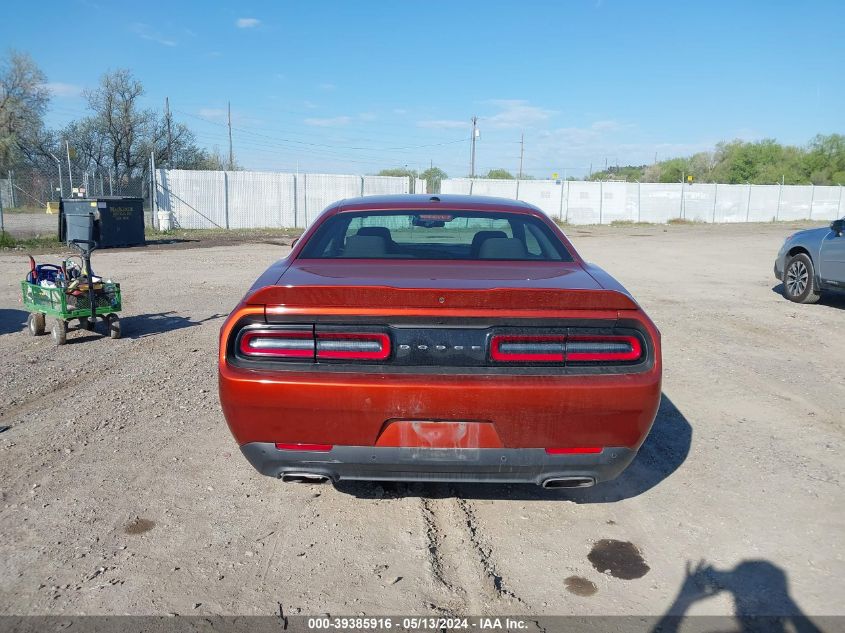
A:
(434, 201)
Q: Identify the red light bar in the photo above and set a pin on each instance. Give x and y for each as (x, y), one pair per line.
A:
(316, 448)
(580, 450)
(602, 348)
(541, 348)
(352, 346)
(278, 343)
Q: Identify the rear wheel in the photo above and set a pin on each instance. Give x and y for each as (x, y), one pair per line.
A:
(113, 323)
(86, 323)
(59, 332)
(35, 323)
(799, 283)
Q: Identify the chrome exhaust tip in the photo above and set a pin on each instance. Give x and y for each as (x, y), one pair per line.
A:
(304, 478)
(569, 482)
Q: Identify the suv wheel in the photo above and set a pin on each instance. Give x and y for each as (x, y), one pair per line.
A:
(799, 283)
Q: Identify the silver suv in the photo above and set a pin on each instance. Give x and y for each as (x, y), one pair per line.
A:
(811, 262)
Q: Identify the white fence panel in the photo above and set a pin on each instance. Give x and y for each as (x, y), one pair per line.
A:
(544, 194)
(460, 186)
(584, 203)
(698, 202)
(317, 191)
(732, 203)
(494, 187)
(382, 185)
(660, 202)
(259, 199)
(195, 199)
(827, 203)
(613, 199)
(420, 186)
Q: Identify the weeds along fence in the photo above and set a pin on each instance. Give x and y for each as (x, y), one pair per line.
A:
(252, 199)
(578, 202)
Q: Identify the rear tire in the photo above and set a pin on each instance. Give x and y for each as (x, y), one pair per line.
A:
(59, 332)
(113, 322)
(799, 283)
(35, 323)
(86, 323)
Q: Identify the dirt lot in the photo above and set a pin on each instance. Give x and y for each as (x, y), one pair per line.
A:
(123, 492)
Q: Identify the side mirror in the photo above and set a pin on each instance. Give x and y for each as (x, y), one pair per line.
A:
(295, 240)
(838, 227)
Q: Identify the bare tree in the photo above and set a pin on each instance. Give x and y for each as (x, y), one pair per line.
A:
(121, 122)
(23, 102)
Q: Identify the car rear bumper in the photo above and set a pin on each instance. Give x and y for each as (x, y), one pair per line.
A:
(494, 465)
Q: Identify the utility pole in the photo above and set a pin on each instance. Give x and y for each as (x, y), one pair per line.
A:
(170, 133)
(521, 152)
(231, 156)
(472, 159)
(69, 172)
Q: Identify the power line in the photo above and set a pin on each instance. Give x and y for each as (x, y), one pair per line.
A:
(354, 148)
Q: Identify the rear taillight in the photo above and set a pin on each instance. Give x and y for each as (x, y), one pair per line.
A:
(575, 349)
(585, 349)
(526, 349)
(352, 346)
(278, 343)
(304, 345)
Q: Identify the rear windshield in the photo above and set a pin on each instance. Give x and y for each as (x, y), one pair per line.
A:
(445, 235)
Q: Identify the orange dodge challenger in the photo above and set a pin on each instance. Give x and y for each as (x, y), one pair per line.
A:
(438, 338)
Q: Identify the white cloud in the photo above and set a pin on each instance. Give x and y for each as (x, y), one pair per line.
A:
(516, 113)
(215, 114)
(59, 89)
(247, 23)
(329, 122)
(327, 87)
(443, 124)
(367, 116)
(144, 31)
(400, 111)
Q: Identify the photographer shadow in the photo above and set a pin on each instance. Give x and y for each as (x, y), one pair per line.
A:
(760, 592)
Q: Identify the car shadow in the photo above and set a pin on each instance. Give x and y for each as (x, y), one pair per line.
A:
(829, 299)
(664, 450)
(12, 321)
(144, 325)
(761, 599)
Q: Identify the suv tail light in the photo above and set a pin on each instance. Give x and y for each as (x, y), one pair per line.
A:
(352, 346)
(277, 343)
(580, 348)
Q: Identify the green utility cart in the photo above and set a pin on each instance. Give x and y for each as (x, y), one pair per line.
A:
(50, 290)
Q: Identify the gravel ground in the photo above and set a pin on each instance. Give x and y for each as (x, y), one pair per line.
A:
(123, 493)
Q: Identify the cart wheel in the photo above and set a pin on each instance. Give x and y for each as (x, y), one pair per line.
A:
(59, 332)
(35, 323)
(113, 322)
(86, 324)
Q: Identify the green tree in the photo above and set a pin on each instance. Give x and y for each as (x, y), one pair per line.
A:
(500, 174)
(433, 176)
(398, 172)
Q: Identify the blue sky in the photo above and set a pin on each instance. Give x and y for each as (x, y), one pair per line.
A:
(352, 87)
